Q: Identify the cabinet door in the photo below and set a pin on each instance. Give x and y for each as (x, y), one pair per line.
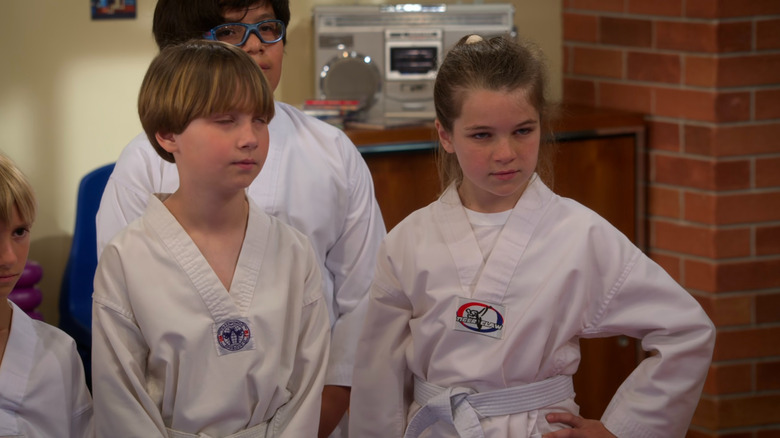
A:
(600, 174)
(404, 181)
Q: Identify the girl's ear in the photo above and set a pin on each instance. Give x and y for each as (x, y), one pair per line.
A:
(167, 141)
(445, 138)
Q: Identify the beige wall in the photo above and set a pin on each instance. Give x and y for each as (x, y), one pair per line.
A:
(68, 89)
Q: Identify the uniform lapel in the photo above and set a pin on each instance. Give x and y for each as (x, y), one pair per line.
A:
(253, 250)
(451, 218)
(512, 242)
(191, 261)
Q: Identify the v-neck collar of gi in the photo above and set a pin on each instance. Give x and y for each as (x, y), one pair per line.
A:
(491, 285)
(221, 303)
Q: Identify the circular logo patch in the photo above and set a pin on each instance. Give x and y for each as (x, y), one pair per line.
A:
(480, 317)
(233, 335)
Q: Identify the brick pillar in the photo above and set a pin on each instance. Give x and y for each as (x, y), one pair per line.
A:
(707, 74)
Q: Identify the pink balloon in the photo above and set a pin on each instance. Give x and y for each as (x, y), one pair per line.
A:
(35, 315)
(31, 275)
(26, 298)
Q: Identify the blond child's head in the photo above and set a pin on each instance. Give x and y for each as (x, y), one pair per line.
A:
(16, 194)
(197, 79)
(17, 213)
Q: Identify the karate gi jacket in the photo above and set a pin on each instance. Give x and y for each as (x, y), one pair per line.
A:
(159, 364)
(43, 391)
(561, 273)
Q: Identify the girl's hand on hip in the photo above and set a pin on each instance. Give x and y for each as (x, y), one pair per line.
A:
(581, 427)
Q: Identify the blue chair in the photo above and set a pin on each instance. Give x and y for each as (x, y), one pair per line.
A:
(76, 289)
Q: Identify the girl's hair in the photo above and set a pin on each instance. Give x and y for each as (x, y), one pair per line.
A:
(496, 64)
(15, 192)
(177, 21)
(197, 79)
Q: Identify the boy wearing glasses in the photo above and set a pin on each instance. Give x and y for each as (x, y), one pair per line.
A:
(314, 179)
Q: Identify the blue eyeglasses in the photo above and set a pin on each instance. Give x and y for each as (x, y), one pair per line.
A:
(269, 31)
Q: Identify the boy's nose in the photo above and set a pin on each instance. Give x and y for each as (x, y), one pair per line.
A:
(253, 43)
(7, 254)
(249, 137)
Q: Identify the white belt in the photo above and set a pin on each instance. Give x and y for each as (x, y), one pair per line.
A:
(463, 407)
(253, 432)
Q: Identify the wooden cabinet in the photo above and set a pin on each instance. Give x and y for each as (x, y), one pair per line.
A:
(599, 162)
(403, 167)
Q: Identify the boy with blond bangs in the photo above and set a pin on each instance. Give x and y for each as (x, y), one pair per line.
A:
(208, 315)
(43, 392)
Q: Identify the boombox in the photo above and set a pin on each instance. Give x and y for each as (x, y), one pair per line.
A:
(386, 56)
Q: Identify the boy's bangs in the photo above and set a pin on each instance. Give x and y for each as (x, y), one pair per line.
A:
(23, 202)
(239, 90)
(6, 209)
(15, 193)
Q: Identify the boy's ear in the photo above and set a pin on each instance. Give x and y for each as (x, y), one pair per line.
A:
(445, 137)
(167, 141)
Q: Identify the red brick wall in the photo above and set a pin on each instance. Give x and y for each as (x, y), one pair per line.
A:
(707, 74)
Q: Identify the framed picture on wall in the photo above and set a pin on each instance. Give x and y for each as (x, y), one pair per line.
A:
(103, 9)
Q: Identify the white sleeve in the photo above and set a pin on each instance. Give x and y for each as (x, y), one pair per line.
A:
(659, 397)
(294, 419)
(381, 385)
(138, 172)
(351, 261)
(122, 406)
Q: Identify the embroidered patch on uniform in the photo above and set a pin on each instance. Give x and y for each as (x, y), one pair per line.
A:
(233, 336)
(479, 317)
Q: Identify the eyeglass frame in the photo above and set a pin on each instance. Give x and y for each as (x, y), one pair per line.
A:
(211, 34)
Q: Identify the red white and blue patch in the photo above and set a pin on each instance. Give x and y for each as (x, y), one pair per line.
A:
(480, 317)
(233, 336)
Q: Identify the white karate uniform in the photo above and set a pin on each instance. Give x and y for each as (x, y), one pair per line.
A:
(158, 368)
(313, 179)
(562, 273)
(43, 392)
